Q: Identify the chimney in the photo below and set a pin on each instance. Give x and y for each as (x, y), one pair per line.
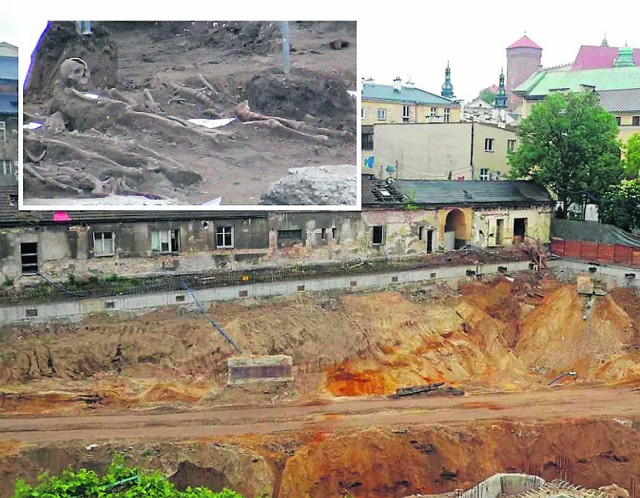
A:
(397, 84)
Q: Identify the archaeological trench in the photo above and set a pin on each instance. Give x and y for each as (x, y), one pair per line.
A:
(191, 112)
(154, 386)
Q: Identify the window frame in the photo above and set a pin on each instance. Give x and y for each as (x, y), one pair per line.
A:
(29, 254)
(406, 116)
(635, 120)
(168, 232)
(7, 164)
(511, 144)
(447, 115)
(382, 235)
(382, 114)
(3, 132)
(224, 234)
(484, 175)
(488, 145)
(102, 239)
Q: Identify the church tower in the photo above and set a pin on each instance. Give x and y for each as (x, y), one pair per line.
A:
(501, 94)
(447, 87)
(523, 59)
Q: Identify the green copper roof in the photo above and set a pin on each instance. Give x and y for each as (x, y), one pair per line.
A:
(447, 87)
(625, 57)
(406, 94)
(542, 83)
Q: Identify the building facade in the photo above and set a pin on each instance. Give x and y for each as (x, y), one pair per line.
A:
(404, 103)
(618, 89)
(398, 219)
(464, 151)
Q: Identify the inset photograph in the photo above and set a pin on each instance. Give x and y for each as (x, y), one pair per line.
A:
(202, 113)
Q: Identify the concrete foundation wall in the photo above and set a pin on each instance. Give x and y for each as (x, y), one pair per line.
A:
(74, 310)
(504, 484)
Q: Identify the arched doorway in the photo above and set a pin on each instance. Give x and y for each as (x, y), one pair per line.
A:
(455, 229)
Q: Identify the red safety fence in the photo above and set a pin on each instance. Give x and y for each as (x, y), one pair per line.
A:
(594, 251)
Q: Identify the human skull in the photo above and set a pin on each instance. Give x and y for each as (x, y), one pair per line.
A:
(75, 73)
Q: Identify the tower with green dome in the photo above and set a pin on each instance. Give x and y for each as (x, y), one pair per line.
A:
(501, 94)
(447, 87)
(625, 57)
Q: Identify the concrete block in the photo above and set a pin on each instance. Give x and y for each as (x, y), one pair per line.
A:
(254, 368)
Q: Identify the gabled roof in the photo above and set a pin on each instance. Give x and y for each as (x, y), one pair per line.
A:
(541, 83)
(620, 100)
(599, 57)
(438, 193)
(524, 42)
(406, 94)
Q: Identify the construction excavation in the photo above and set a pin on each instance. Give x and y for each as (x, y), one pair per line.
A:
(192, 113)
(523, 384)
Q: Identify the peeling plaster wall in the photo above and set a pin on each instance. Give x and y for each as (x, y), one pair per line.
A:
(485, 220)
(325, 237)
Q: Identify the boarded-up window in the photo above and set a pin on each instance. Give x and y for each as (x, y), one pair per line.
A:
(289, 237)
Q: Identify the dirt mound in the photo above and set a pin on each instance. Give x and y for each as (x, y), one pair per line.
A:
(61, 41)
(303, 94)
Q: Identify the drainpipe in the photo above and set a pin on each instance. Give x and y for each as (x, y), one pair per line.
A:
(473, 176)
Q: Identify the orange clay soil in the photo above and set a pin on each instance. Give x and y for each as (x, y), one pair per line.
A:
(369, 463)
(488, 336)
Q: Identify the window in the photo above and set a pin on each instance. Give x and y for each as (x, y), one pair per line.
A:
(103, 244)
(367, 141)
(334, 233)
(420, 233)
(406, 113)
(362, 112)
(434, 112)
(488, 144)
(165, 241)
(378, 235)
(511, 145)
(3, 131)
(382, 114)
(224, 237)
(323, 234)
(29, 257)
(618, 120)
(6, 167)
(635, 121)
(288, 238)
(484, 174)
(447, 115)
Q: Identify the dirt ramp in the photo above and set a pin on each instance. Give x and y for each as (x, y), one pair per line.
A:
(61, 41)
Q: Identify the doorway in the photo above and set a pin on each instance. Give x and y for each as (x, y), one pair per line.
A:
(454, 230)
(519, 230)
(499, 231)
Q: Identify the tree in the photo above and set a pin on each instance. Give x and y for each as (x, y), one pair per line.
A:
(621, 205)
(569, 144)
(632, 157)
(488, 96)
(120, 481)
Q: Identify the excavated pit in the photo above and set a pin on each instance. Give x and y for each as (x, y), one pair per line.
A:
(371, 462)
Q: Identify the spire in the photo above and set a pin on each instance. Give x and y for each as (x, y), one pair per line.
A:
(501, 94)
(604, 43)
(447, 87)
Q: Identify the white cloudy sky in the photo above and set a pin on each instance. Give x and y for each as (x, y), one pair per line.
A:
(407, 38)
